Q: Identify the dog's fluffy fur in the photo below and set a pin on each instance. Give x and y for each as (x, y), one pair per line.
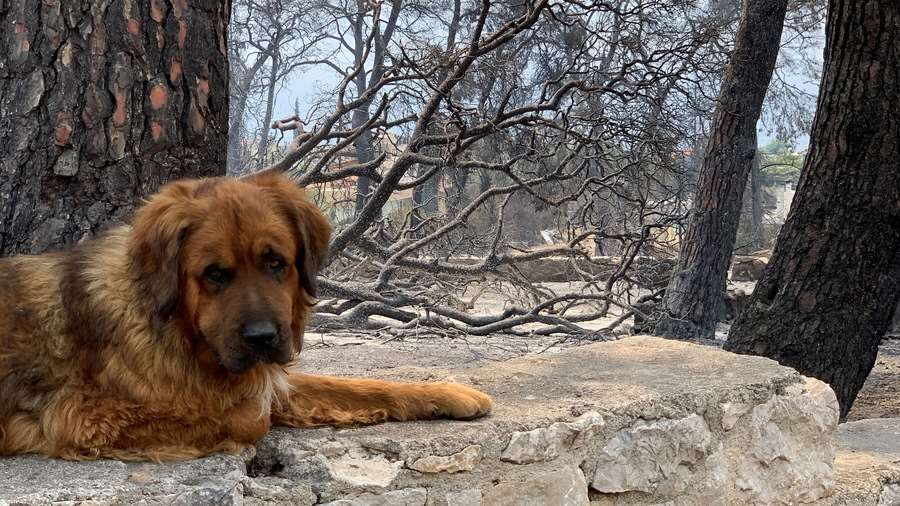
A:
(129, 346)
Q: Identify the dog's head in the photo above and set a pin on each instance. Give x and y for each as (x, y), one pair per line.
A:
(236, 260)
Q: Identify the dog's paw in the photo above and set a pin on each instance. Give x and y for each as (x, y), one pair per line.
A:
(451, 400)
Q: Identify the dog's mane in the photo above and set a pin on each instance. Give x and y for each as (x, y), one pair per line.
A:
(121, 342)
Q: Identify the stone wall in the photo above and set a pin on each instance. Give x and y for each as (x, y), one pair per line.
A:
(637, 421)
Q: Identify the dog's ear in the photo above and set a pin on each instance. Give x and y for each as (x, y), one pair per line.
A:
(315, 236)
(159, 230)
(312, 226)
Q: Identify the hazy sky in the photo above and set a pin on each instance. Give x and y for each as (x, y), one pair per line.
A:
(305, 88)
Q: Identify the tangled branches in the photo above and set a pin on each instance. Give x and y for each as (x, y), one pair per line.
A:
(517, 168)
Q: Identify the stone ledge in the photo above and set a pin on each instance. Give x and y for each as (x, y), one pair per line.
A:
(637, 421)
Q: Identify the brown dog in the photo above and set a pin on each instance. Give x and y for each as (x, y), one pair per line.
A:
(169, 339)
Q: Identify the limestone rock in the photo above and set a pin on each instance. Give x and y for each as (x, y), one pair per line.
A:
(890, 495)
(360, 469)
(682, 424)
(565, 487)
(34, 480)
(748, 268)
(732, 412)
(788, 451)
(404, 497)
(663, 457)
(546, 443)
(274, 490)
(208, 494)
(466, 460)
(469, 497)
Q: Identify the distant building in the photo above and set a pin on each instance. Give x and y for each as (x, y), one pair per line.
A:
(778, 201)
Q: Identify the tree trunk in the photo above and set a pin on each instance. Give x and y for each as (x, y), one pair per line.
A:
(99, 105)
(240, 91)
(756, 205)
(750, 230)
(693, 303)
(831, 286)
(263, 148)
(365, 153)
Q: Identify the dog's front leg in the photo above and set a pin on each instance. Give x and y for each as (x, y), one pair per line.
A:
(323, 400)
(86, 427)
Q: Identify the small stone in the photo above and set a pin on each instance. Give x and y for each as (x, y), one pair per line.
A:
(304, 466)
(212, 494)
(279, 490)
(266, 488)
(404, 497)
(564, 487)
(469, 497)
(362, 470)
(546, 443)
(465, 460)
(732, 412)
(332, 449)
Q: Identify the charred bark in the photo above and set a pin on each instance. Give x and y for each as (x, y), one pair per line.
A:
(831, 286)
(101, 103)
(693, 299)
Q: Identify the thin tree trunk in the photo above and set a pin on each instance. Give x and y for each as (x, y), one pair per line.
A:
(833, 282)
(99, 105)
(693, 303)
(425, 195)
(756, 205)
(365, 152)
(263, 148)
(236, 129)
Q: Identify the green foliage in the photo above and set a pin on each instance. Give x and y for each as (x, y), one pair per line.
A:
(780, 162)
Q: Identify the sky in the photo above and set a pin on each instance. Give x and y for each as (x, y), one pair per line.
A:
(305, 88)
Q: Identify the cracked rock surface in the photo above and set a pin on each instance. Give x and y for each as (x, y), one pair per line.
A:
(636, 421)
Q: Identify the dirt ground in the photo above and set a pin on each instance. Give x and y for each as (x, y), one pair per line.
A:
(880, 396)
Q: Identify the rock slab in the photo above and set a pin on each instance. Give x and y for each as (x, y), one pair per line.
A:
(636, 421)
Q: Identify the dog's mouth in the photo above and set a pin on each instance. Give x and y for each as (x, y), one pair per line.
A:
(240, 362)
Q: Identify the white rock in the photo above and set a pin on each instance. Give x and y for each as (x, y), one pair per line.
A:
(890, 495)
(732, 412)
(469, 497)
(465, 460)
(565, 487)
(789, 447)
(210, 495)
(357, 468)
(663, 457)
(404, 497)
(546, 443)
(273, 489)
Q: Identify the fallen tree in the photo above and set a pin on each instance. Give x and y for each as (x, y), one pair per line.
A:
(456, 161)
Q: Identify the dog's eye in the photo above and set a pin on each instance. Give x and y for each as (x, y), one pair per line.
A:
(215, 275)
(275, 263)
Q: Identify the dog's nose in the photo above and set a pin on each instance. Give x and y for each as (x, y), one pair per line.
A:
(259, 333)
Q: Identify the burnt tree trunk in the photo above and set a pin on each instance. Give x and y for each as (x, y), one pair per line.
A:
(756, 205)
(693, 303)
(101, 103)
(831, 286)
